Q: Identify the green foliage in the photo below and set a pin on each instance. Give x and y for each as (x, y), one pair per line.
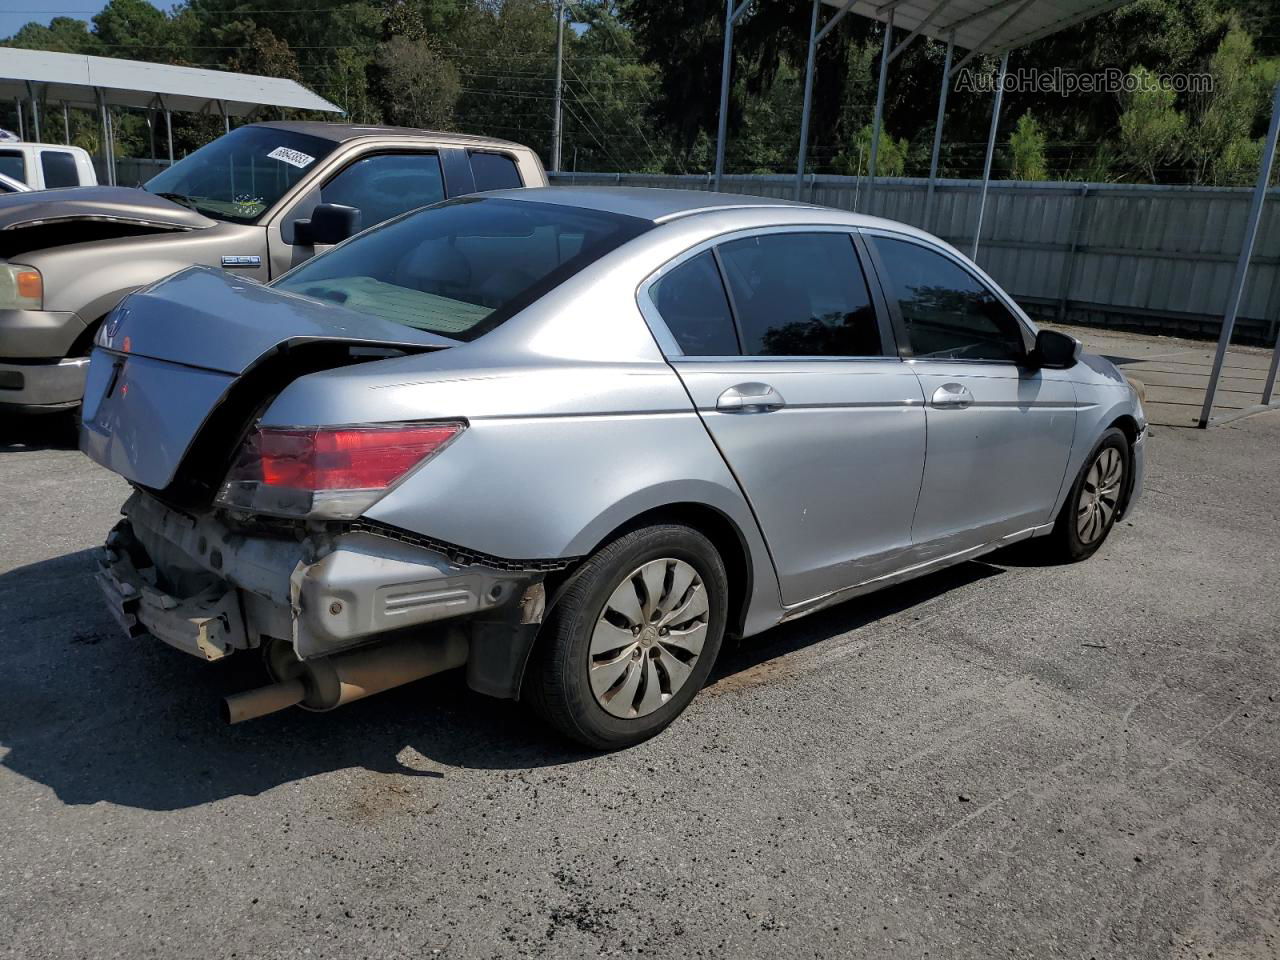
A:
(891, 158)
(420, 87)
(1026, 148)
(1152, 130)
(642, 82)
(1222, 118)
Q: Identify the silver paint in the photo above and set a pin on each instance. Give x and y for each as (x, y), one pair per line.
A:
(843, 475)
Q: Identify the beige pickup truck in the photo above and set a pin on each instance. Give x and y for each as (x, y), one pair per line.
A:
(256, 202)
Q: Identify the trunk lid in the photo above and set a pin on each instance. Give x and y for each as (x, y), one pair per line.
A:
(204, 349)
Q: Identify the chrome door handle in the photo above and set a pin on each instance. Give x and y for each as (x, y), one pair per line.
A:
(750, 398)
(952, 395)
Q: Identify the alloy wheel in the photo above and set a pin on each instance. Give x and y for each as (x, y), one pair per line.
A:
(648, 638)
(1099, 495)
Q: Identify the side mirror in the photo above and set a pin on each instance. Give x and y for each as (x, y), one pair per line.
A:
(1055, 351)
(330, 223)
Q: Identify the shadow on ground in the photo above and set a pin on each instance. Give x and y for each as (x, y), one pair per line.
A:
(44, 431)
(96, 717)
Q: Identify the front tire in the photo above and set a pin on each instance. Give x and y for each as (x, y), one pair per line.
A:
(1093, 502)
(631, 637)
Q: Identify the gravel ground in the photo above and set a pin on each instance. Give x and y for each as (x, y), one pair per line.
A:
(1002, 759)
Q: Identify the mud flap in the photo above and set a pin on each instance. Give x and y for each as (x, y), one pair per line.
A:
(501, 643)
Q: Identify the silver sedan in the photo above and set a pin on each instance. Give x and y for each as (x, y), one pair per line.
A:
(571, 439)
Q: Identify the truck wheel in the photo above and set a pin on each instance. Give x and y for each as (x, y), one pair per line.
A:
(631, 638)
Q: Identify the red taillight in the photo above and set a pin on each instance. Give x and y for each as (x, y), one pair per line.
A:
(346, 458)
(328, 471)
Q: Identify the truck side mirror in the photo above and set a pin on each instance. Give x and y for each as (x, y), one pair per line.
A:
(330, 223)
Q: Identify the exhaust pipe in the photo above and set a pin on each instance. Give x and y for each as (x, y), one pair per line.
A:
(330, 682)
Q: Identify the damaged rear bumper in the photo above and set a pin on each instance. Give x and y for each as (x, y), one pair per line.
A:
(210, 590)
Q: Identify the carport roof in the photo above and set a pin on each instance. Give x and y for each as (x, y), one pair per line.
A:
(982, 25)
(76, 79)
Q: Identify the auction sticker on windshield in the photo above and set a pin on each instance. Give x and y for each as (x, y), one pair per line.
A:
(295, 158)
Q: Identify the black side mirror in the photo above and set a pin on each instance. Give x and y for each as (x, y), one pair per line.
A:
(329, 223)
(1055, 351)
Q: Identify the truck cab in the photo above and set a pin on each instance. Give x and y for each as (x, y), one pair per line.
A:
(255, 202)
(46, 166)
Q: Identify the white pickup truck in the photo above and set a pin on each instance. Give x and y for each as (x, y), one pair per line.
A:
(43, 166)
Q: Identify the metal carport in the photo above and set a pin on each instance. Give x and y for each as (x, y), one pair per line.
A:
(984, 27)
(99, 83)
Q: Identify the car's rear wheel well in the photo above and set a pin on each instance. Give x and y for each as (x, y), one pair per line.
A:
(711, 523)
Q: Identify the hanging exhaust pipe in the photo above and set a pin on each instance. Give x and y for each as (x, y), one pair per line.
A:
(330, 682)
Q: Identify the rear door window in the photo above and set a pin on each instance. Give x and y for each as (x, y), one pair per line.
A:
(693, 305)
(801, 295)
(59, 168)
(494, 171)
(12, 164)
(386, 185)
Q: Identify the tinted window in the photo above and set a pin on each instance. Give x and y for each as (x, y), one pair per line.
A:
(238, 177)
(693, 305)
(948, 313)
(5, 188)
(801, 295)
(59, 168)
(462, 268)
(12, 165)
(387, 185)
(494, 171)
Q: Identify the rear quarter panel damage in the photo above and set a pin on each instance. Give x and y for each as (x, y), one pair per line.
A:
(555, 456)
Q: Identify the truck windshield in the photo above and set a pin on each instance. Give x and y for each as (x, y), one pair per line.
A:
(238, 177)
(462, 267)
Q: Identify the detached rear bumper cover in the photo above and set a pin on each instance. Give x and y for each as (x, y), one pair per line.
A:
(323, 594)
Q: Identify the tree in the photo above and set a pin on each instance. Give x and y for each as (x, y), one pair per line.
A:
(420, 88)
(891, 158)
(1026, 145)
(62, 35)
(1152, 131)
(1224, 115)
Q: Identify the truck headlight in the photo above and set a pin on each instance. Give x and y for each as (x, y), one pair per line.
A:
(21, 287)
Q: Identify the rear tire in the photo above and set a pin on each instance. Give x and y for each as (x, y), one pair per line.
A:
(1093, 503)
(631, 637)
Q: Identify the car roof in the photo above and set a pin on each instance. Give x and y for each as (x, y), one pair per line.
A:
(342, 132)
(646, 203)
(664, 205)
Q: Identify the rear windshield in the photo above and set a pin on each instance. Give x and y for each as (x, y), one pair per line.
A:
(461, 268)
(238, 177)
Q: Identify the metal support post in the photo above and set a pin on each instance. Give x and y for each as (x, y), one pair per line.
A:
(731, 15)
(35, 111)
(557, 130)
(808, 97)
(879, 117)
(1242, 269)
(991, 149)
(927, 223)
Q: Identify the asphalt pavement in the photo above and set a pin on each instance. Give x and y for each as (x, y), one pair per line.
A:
(1000, 760)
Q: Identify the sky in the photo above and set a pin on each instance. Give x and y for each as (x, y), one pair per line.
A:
(15, 13)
